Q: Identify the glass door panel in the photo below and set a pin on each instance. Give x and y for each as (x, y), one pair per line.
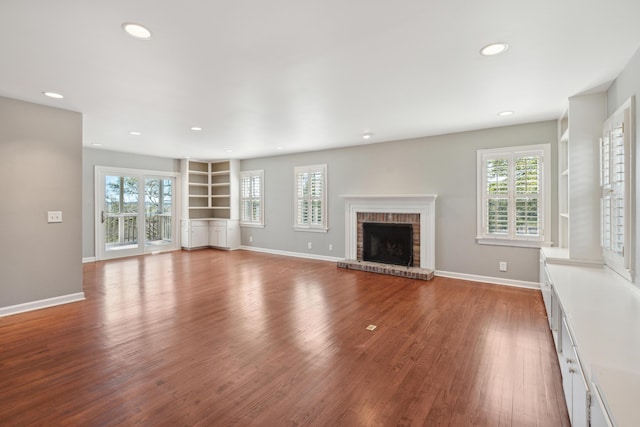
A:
(120, 214)
(158, 209)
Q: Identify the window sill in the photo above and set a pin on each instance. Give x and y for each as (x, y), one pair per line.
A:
(250, 225)
(311, 230)
(514, 243)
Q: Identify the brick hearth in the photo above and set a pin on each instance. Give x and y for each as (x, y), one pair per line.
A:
(392, 270)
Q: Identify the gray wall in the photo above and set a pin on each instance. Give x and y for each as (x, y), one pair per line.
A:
(40, 166)
(626, 85)
(444, 165)
(93, 157)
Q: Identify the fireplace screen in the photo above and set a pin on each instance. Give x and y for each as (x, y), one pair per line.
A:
(387, 243)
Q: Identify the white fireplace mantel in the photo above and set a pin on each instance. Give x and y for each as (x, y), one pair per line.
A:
(422, 204)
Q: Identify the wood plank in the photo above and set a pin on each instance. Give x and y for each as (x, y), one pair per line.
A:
(214, 337)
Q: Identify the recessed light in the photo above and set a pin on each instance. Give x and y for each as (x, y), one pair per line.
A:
(196, 128)
(228, 150)
(53, 95)
(138, 31)
(279, 148)
(97, 144)
(134, 133)
(494, 49)
(505, 113)
(367, 135)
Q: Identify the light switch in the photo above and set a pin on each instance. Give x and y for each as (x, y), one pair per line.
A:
(54, 216)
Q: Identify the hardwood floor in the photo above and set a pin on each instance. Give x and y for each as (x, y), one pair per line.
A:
(241, 338)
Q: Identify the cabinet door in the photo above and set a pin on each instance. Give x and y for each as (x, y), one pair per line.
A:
(566, 357)
(580, 397)
(222, 236)
(185, 235)
(199, 237)
(218, 235)
(545, 288)
(599, 416)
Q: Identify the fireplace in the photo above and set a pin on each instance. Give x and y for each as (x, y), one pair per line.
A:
(417, 210)
(387, 243)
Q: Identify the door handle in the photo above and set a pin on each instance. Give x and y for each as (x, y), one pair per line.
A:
(102, 217)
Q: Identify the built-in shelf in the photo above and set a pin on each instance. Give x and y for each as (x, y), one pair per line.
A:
(579, 130)
(211, 189)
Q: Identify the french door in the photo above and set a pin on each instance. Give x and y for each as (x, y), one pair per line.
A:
(135, 212)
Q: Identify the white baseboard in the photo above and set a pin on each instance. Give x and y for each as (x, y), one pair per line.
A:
(462, 276)
(291, 254)
(88, 259)
(489, 279)
(44, 303)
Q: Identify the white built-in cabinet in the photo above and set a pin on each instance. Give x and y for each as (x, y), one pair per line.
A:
(218, 233)
(574, 384)
(592, 306)
(211, 205)
(593, 316)
(579, 132)
(195, 233)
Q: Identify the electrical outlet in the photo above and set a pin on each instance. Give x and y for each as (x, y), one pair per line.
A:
(250, 239)
(309, 245)
(503, 266)
(330, 247)
(54, 216)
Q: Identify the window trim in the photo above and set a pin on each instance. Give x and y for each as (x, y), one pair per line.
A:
(544, 239)
(261, 222)
(623, 264)
(314, 228)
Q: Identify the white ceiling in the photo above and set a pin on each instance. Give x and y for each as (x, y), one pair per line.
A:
(306, 74)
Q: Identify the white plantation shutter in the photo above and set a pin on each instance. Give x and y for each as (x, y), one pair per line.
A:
(251, 198)
(614, 161)
(616, 195)
(512, 195)
(615, 189)
(310, 194)
(528, 175)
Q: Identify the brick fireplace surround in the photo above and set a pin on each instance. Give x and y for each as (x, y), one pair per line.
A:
(418, 210)
(393, 218)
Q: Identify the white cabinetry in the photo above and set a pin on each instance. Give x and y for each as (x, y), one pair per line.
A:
(599, 416)
(576, 391)
(195, 233)
(596, 313)
(218, 234)
(211, 189)
(578, 176)
(211, 205)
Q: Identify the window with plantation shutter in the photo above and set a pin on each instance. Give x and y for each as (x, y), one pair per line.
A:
(310, 183)
(513, 196)
(251, 198)
(616, 195)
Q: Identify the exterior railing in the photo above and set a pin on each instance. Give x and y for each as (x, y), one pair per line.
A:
(158, 227)
(122, 229)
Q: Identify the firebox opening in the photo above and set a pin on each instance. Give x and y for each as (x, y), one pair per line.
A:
(387, 243)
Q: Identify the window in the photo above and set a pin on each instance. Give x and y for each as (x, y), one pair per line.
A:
(615, 191)
(251, 198)
(310, 183)
(514, 196)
